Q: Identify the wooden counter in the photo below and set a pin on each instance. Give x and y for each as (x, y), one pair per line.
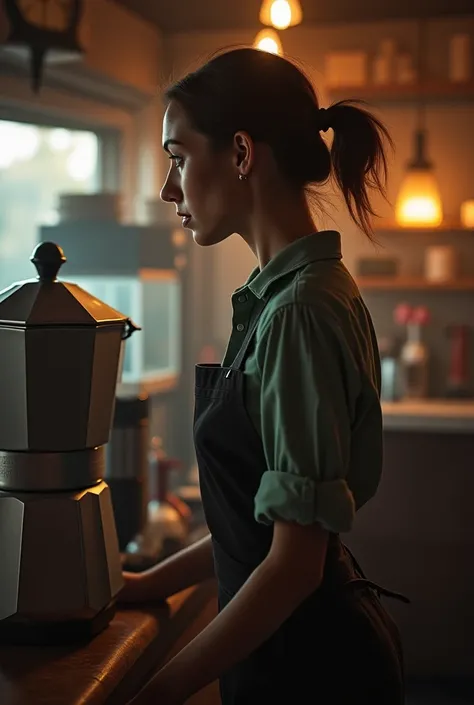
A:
(429, 416)
(111, 668)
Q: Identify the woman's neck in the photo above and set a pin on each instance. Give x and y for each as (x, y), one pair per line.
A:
(274, 226)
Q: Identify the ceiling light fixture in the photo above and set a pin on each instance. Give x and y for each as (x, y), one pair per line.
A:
(281, 14)
(268, 40)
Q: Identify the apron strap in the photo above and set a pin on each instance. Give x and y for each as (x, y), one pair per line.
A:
(240, 357)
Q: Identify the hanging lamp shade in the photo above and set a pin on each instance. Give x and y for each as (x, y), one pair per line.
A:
(268, 40)
(419, 201)
(281, 14)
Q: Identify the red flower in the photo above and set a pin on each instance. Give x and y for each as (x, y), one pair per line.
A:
(421, 315)
(403, 314)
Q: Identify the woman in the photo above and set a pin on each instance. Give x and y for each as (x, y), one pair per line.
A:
(288, 430)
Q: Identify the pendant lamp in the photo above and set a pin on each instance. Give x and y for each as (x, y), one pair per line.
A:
(281, 14)
(418, 203)
(268, 40)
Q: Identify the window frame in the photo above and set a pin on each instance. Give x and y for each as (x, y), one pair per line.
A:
(77, 109)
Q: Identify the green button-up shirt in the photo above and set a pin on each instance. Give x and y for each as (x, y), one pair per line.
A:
(312, 385)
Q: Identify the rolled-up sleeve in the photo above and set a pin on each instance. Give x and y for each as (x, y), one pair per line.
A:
(305, 415)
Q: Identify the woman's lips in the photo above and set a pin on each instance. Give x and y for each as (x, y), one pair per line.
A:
(185, 218)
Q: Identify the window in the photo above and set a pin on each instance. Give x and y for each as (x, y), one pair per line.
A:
(37, 164)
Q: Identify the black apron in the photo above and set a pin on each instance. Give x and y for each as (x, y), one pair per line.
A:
(340, 646)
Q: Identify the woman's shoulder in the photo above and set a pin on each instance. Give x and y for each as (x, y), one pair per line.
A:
(326, 290)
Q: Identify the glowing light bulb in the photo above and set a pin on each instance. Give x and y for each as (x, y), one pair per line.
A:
(268, 40)
(281, 13)
(419, 202)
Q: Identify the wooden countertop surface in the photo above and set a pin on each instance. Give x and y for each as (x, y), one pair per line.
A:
(111, 668)
(431, 415)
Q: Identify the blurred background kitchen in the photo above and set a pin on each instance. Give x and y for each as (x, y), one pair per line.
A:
(81, 164)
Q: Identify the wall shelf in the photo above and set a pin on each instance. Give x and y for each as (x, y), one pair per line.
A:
(430, 91)
(413, 283)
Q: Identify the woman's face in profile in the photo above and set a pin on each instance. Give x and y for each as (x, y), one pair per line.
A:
(202, 182)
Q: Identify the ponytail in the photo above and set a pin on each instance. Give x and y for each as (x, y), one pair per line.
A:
(359, 162)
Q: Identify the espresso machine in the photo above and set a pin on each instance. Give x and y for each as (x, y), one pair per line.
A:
(61, 351)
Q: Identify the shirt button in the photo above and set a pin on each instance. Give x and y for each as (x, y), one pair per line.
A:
(240, 327)
(242, 298)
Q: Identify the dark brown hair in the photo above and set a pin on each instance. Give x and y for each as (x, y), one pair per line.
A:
(271, 98)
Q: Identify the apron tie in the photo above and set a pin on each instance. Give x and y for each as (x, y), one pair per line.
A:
(363, 582)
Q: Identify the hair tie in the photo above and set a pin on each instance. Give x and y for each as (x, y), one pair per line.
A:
(324, 119)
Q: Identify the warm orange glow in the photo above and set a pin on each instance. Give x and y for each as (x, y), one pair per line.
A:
(281, 13)
(268, 40)
(467, 214)
(419, 202)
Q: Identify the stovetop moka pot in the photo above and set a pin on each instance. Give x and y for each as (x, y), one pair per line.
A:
(61, 350)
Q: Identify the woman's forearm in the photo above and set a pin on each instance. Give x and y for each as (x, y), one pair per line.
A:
(265, 601)
(188, 567)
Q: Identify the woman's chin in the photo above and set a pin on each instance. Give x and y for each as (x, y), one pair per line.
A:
(199, 237)
(205, 238)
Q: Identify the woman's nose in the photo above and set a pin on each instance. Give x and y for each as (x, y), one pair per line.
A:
(169, 192)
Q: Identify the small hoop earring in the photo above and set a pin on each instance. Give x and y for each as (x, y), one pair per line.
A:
(242, 177)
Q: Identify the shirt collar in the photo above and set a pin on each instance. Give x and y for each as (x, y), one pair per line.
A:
(323, 245)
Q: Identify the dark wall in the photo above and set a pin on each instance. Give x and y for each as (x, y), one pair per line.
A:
(417, 537)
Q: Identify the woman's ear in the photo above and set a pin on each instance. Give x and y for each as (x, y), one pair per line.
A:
(244, 151)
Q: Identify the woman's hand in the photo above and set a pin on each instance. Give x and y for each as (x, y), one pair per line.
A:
(188, 567)
(136, 588)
